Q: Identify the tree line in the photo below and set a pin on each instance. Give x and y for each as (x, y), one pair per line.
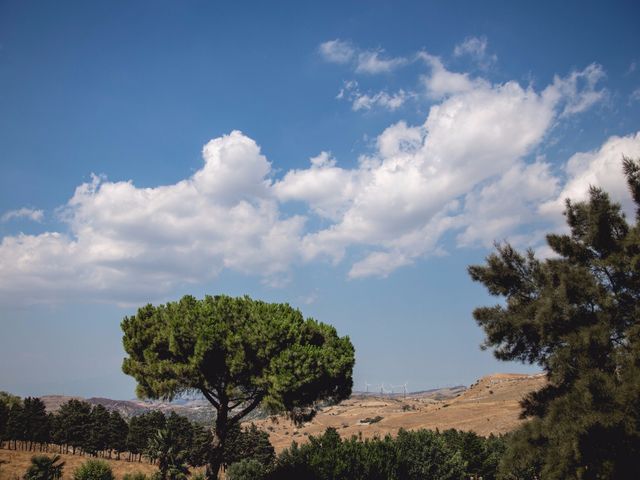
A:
(78, 427)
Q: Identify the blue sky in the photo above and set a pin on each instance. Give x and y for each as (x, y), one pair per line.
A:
(349, 158)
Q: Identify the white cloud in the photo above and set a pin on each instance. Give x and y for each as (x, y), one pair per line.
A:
(361, 101)
(442, 82)
(129, 243)
(476, 48)
(419, 171)
(28, 213)
(496, 210)
(364, 61)
(635, 95)
(601, 168)
(337, 51)
(450, 174)
(325, 187)
(579, 89)
(373, 62)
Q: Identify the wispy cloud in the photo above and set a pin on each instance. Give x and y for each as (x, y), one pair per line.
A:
(476, 48)
(363, 61)
(337, 51)
(375, 61)
(368, 101)
(28, 213)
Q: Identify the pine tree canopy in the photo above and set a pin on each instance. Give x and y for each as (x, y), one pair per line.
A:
(576, 314)
(240, 353)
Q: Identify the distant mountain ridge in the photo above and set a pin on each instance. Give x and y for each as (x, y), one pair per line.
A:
(197, 410)
(489, 405)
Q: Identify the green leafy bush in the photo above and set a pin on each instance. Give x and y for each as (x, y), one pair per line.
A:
(247, 469)
(93, 470)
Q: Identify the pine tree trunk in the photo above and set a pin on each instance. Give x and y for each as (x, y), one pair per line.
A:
(217, 444)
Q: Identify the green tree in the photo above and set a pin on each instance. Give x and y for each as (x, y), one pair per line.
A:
(141, 429)
(72, 424)
(199, 451)
(36, 422)
(118, 430)
(4, 417)
(16, 424)
(98, 438)
(248, 443)
(240, 353)
(10, 421)
(181, 430)
(575, 315)
(44, 467)
(9, 400)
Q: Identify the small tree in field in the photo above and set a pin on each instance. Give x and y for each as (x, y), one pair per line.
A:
(240, 354)
(578, 316)
(44, 467)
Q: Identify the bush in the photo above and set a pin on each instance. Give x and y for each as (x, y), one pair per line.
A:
(247, 469)
(135, 476)
(44, 467)
(370, 420)
(93, 470)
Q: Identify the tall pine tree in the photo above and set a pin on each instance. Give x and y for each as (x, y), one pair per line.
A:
(577, 316)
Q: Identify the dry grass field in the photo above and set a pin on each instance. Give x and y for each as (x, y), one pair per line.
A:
(18, 462)
(491, 405)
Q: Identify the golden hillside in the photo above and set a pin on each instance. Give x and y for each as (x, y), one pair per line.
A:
(491, 405)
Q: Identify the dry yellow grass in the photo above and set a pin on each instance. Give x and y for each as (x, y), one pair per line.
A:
(489, 406)
(19, 461)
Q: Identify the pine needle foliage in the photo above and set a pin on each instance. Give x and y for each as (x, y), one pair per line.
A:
(239, 353)
(577, 315)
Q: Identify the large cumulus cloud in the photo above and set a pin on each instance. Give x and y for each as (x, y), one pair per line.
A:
(451, 173)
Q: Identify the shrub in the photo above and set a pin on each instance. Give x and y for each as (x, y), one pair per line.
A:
(44, 467)
(135, 476)
(93, 470)
(370, 420)
(247, 469)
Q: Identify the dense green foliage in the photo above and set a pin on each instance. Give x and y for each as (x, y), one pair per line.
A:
(247, 469)
(422, 454)
(240, 353)
(576, 315)
(165, 448)
(93, 470)
(248, 443)
(44, 467)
